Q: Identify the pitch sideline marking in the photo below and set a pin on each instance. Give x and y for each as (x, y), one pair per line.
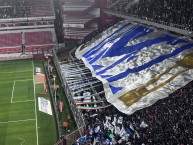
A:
(14, 72)
(35, 104)
(16, 80)
(12, 91)
(24, 80)
(23, 101)
(18, 121)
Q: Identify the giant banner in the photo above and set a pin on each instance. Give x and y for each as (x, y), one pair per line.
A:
(138, 65)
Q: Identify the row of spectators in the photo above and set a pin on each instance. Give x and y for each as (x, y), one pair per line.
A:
(14, 8)
(169, 12)
(167, 122)
(24, 8)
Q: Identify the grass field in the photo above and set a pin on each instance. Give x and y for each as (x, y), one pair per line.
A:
(21, 122)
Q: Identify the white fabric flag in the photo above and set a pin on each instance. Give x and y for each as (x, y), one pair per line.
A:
(108, 117)
(120, 120)
(114, 121)
(143, 124)
(122, 132)
(110, 127)
(106, 124)
(117, 130)
(136, 63)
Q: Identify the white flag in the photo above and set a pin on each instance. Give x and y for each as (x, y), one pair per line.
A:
(122, 132)
(114, 121)
(111, 127)
(117, 130)
(120, 120)
(106, 124)
(136, 63)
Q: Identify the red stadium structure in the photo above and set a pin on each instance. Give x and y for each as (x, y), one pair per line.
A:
(26, 29)
(82, 18)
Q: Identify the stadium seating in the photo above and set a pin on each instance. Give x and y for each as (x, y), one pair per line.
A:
(78, 8)
(34, 41)
(76, 33)
(10, 39)
(167, 122)
(37, 48)
(33, 38)
(10, 50)
(27, 8)
(72, 21)
(177, 13)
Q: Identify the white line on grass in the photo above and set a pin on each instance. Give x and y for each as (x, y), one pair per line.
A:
(24, 80)
(12, 91)
(18, 121)
(35, 104)
(14, 72)
(16, 81)
(23, 101)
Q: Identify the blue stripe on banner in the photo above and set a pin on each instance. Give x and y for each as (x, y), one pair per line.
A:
(131, 50)
(135, 48)
(95, 67)
(110, 40)
(123, 27)
(105, 76)
(150, 63)
(128, 57)
(138, 32)
(179, 41)
(115, 89)
(146, 32)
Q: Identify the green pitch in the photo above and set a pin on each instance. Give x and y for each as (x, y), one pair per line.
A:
(21, 122)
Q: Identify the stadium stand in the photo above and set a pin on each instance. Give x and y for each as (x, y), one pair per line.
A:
(10, 42)
(78, 33)
(86, 15)
(41, 8)
(178, 13)
(78, 8)
(33, 38)
(169, 121)
(10, 39)
(78, 21)
(27, 23)
(26, 8)
(11, 50)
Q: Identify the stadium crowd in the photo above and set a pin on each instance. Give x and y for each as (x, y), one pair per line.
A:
(168, 12)
(14, 9)
(167, 122)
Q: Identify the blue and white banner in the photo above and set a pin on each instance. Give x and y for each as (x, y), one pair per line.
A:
(44, 105)
(138, 65)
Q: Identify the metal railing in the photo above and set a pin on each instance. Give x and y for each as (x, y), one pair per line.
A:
(76, 112)
(54, 104)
